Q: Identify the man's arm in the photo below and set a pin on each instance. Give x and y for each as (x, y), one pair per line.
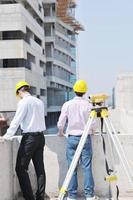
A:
(62, 120)
(19, 116)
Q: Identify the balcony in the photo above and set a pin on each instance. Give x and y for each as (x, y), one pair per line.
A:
(12, 49)
(50, 39)
(61, 64)
(65, 51)
(36, 46)
(49, 1)
(70, 40)
(49, 19)
(15, 49)
(33, 7)
(16, 17)
(55, 82)
(55, 108)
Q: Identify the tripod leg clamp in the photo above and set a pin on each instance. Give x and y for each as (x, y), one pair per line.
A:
(111, 178)
(104, 113)
(63, 190)
(93, 114)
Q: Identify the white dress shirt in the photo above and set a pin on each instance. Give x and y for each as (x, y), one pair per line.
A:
(76, 112)
(29, 115)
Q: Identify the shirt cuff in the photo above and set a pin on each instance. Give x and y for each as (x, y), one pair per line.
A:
(60, 129)
(7, 137)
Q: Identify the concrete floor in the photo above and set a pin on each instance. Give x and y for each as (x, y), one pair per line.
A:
(120, 198)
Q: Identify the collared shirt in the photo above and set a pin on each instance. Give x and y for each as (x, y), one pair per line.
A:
(76, 112)
(29, 115)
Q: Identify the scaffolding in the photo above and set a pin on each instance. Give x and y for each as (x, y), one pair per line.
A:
(63, 12)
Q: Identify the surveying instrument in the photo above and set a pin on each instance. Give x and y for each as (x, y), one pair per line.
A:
(99, 110)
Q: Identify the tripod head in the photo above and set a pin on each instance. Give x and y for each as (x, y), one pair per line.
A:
(99, 108)
(98, 99)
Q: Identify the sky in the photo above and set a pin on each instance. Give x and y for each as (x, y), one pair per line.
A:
(105, 48)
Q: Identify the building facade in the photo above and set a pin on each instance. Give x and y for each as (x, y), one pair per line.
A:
(38, 45)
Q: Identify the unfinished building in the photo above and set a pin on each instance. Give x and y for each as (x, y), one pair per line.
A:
(38, 45)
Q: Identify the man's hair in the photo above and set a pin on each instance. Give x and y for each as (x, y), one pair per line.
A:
(25, 89)
(79, 94)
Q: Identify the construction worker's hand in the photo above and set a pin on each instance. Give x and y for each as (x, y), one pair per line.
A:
(2, 140)
(61, 134)
(92, 131)
(6, 137)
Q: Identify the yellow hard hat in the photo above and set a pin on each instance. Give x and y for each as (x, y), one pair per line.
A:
(21, 84)
(80, 86)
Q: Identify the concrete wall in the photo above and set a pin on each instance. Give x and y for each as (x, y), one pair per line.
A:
(122, 120)
(122, 115)
(56, 167)
(124, 91)
(6, 168)
(8, 79)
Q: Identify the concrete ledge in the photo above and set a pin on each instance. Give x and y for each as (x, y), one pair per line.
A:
(56, 167)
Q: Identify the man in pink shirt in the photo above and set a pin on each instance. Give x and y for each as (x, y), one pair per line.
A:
(76, 112)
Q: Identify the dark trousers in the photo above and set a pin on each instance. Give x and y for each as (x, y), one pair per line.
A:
(31, 147)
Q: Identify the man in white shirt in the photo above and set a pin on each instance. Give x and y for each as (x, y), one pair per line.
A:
(30, 116)
(76, 113)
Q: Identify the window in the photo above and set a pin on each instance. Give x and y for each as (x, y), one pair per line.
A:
(12, 35)
(40, 7)
(7, 2)
(49, 68)
(33, 90)
(11, 63)
(42, 92)
(31, 58)
(47, 10)
(43, 51)
(37, 40)
(42, 64)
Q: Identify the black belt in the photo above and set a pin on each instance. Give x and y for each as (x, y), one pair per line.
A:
(74, 135)
(33, 133)
(78, 136)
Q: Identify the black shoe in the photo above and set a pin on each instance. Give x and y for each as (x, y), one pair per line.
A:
(40, 198)
(46, 197)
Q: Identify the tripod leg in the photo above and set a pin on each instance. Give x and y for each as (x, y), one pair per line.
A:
(75, 159)
(109, 166)
(120, 146)
(113, 184)
(119, 150)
